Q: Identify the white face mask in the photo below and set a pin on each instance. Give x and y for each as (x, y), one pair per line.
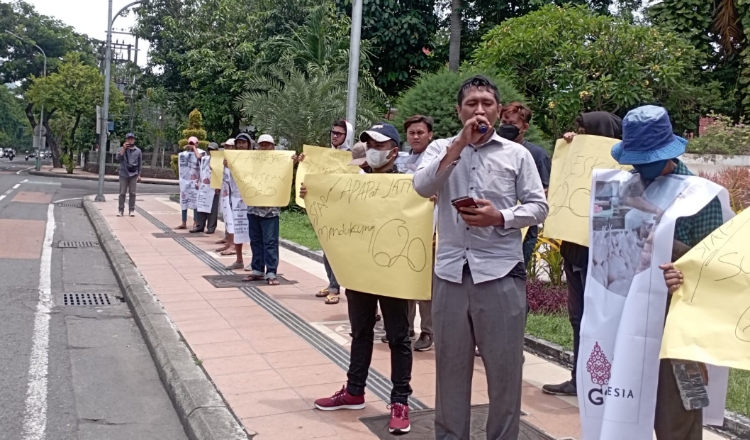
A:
(377, 159)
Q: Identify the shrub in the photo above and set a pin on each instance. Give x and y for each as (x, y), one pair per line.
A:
(434, 95)
(194, 128)
(546, 259)
(545, 298)
(737, 182)
(722, 137)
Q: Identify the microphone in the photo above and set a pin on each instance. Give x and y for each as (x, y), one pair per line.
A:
(482, 128)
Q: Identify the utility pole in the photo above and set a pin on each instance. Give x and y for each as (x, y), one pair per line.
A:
(351, 97)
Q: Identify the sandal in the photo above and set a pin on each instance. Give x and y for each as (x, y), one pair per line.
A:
(324, 293)
(273, 281)
(235, 266)
(228, 252)
(332, 299)
(181, 227)
(249, 278)
(222, 241)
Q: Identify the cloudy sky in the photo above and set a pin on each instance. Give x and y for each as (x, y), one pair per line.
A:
(90, 17)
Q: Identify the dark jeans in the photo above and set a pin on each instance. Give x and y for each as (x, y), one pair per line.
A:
(264, 243)
(128, 184)
(362, 310)
(211, 218)
(333, 284)
(184, 215)
(529, 243)
(576, 286)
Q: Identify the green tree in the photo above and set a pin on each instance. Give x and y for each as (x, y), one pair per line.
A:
(13, 133)
(401, 35)
(299, 106)
(194, 128)
(620, 66)
(435, 95)
(72, 94)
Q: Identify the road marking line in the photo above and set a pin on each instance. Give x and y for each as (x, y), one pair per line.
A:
(25, 169)
(16, 185)
(35, 417)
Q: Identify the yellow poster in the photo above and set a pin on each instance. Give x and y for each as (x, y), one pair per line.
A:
(375, 231)
(570, 185)
(217, 168)
(709, 318)
(322, 161)
(264, 178)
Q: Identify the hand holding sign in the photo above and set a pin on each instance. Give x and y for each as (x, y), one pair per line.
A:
(317, 160)
(264, 178)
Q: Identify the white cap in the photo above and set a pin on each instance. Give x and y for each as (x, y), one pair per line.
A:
(229, 142)
(266, 138)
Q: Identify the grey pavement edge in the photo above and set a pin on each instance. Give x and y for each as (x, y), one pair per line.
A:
(203, 412)
(106, 178)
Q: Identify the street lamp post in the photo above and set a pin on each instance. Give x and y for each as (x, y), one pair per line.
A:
(351, 97)
(37, 164)
(105, 104)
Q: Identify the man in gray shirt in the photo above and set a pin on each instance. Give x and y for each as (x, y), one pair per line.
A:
(479, 288)
(131, 163)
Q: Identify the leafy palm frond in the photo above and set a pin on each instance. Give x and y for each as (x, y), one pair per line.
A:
(727, 25)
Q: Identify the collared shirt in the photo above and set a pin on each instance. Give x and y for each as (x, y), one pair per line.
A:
(692, 230)
(500, 171)
(264, 212)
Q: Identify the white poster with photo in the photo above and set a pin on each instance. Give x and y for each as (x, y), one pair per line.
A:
(239, 214)
(631, 234)
(205, 192)
(225, 203)
(189, 177)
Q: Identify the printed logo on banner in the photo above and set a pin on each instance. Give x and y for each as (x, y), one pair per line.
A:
(600, 369)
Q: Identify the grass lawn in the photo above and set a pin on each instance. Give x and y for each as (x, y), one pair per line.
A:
(556, 328)
(296, 227)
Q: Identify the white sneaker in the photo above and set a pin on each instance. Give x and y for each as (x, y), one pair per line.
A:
(120, 213)
(132, 213)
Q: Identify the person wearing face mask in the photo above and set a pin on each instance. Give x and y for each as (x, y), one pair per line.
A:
(383, 143)
(514, 123)
(575, 256)
(650, 146)
(479, 287)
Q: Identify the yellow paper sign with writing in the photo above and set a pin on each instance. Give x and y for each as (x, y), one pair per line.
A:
(264, 178)
(320, 160)
(217, 168)
(375, 230)
(709, 318)
(570, 185)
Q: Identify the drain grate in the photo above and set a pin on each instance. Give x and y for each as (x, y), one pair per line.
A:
(76, 244)
(89, 299)
(71, 205)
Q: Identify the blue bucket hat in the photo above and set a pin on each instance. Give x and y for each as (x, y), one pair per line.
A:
(647, 137)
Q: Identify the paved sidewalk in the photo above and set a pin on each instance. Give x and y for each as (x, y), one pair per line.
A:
(48, 171)
(272, 350)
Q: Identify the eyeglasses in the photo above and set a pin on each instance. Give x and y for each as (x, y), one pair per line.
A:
(337, 133)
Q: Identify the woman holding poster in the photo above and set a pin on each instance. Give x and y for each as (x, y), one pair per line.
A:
(190, 172)
(238, 207)
(637, 220)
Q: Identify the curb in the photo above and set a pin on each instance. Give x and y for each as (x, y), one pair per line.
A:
(202, 411)
(106, 178)
(736, 426)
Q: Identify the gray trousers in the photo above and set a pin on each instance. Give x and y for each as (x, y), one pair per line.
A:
(127, 185)
(425, 315)
(490, 316)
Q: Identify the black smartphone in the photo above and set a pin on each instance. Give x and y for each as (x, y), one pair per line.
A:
(464, 202)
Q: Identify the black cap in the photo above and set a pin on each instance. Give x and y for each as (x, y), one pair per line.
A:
(243, 136)
(130, 135)
(381, 132)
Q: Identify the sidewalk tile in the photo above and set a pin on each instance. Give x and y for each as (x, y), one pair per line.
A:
(204, 325)
(272, 345)
(250, 382)
(235, 364)
(248, 311)
(301, 425)
(194, 315)
(296, 358)
(233, 302)
(211, 336)
(222, 294)
(180, 297)
(216, 350)
(252, 321)
(258, 333)
(312, 375)
(266, 403)
(186, 304)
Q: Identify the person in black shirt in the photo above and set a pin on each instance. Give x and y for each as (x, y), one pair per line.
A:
(514, 122)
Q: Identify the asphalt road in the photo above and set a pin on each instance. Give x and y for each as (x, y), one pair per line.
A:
(68, 372)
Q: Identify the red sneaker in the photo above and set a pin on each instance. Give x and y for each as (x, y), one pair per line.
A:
(399, 423)
(341, 400)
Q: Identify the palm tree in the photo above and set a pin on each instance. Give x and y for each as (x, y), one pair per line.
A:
(728, 26)
(454, 50)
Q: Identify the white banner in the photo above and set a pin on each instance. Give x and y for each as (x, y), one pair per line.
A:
(226, 202)
(240, 222)
(205, 192)
(631, 234)
(189, 177)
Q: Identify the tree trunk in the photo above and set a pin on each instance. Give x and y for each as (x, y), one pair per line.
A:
(157, 145)
(454, 51)
(73, 134)
(236, 119)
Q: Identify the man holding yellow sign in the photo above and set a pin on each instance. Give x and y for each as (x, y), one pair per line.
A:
(329, 200)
